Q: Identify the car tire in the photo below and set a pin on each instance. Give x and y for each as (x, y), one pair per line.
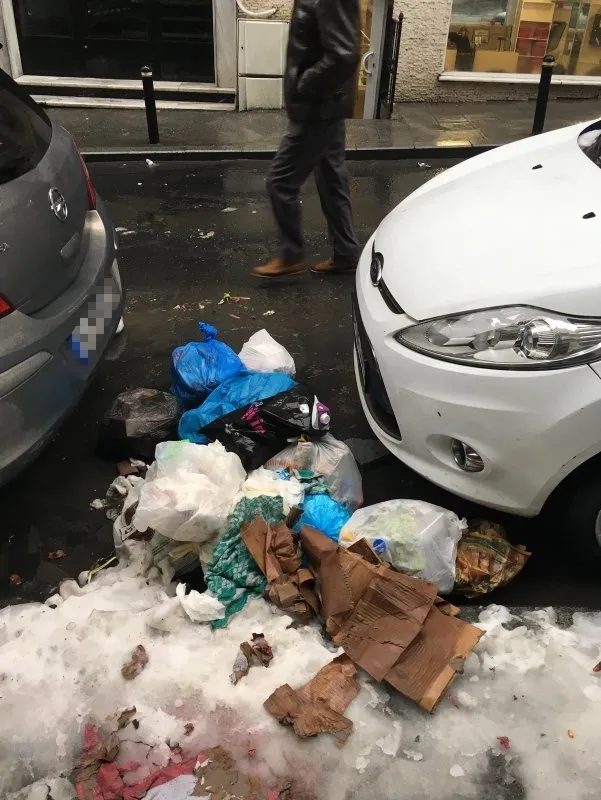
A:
(582, 519)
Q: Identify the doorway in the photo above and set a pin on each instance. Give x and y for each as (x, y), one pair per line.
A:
(114, 38)
(373, 15)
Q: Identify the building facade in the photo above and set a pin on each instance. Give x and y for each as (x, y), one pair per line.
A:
(225, 52)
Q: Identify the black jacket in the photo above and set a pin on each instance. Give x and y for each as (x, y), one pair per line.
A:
(322, 58)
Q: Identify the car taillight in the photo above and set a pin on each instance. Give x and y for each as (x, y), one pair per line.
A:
(5, 307)
(89, 185)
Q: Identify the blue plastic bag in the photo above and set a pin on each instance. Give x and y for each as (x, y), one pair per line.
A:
(199, 367)
(236, 392)
(325, 514)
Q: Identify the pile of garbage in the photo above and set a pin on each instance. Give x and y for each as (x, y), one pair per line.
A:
(249, 495)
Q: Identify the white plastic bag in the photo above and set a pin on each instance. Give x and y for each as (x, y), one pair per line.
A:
(330, 458)
(416, 537)
(266, 483)
(263, 354)
(173, 612)
(189, 491)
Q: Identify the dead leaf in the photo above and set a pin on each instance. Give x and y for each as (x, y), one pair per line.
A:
(132, 668)
(15, 580)
(56, 554)
(188, 729)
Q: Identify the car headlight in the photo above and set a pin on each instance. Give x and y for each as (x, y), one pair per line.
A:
(516, 337)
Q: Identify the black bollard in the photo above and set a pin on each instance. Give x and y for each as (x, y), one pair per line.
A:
(151, 108)
(540, 112)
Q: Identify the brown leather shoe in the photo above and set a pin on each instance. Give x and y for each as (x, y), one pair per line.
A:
(333, 267)
(277, 268)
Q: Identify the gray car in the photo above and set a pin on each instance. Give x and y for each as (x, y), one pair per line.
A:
(60, 290)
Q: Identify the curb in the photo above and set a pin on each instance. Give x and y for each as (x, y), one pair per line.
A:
(352, 154)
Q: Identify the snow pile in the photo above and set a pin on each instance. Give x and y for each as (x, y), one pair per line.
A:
(528, 680)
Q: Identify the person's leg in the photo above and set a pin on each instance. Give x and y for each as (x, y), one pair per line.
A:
(331, 177)
(300, 150)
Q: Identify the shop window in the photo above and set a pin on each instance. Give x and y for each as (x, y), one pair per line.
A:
(513, 36)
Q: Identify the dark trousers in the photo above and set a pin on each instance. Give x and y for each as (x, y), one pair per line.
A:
(316, 146)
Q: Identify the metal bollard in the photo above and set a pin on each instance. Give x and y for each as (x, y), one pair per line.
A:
(540, 112)
(151, 108)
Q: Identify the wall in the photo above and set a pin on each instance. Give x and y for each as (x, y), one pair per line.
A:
(4, 60)
(423, 45)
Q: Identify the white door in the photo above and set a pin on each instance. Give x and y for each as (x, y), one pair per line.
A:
(373, 28)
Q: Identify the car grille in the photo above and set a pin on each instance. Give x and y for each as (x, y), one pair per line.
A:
(372, 384)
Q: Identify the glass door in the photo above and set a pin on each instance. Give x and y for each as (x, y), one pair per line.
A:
(372, 27)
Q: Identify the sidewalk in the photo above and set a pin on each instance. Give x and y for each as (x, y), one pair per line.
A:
(418, 130)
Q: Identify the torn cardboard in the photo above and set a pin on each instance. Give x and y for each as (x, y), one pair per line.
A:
(220, 778)
(277, 554)
(391, 625)
(318, 705)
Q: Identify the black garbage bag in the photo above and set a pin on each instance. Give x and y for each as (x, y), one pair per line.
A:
(259, 431)
(137, 421)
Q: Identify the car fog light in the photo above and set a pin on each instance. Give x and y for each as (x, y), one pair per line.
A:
(466, 457)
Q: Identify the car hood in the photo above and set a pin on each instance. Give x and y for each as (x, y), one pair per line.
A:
(499, 230)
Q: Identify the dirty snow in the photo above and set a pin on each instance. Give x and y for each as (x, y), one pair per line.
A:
(60, 668)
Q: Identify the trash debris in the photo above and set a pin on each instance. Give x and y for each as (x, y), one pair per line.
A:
(277, 554)
(268, 313)
(203, 235)
(256, 652)
(456, 771)
(238, 392)
(189, 491)
(233, 575)
(220, 778)
(415, 537)
(132, 668)
(56, 555)
(126, 468)
(258, 432)
(89, 574)
(232, 298)
(15, 579)
(486, 559)
(318, 705)
(199, 367)
(234, 316)
(150, 162)
(125, 717)
(390, 744)
(387, 622)
(261, 353)
(597, 667)
(188, 729)
(228, 210)
(325, 514)
(571, 733)
(504, 742)
(423, 165)
(98, 504)
(329, 458)
(199, 607)
(137, 421)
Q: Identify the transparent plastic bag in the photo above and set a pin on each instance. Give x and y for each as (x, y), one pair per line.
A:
(416, 537)
(330, 458)
(199, 367)
(261, 353)
(189, 491)
(137, 421)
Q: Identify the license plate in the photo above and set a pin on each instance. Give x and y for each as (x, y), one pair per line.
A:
(92, 326)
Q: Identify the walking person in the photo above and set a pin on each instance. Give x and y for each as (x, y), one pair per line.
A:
(319, 90)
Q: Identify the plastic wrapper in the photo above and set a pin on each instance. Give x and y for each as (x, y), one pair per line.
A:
(258, 432)
(486, 559)
(189, 491)
(239, 391)
(417, 538)
(322, 512)
(331, 459)
(261, 353)
(199, 367)
(137, 421)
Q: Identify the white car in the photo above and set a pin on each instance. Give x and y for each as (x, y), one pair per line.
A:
(478, 329)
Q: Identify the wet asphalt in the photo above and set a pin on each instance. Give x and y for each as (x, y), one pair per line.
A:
(180, 251)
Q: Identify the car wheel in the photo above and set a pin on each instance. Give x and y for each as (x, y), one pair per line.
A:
(582, 519)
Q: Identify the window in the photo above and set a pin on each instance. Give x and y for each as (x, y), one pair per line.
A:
(25, 131)
(514, 36)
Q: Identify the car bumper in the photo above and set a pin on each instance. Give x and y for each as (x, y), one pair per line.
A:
(531, 429)
(55, 352)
